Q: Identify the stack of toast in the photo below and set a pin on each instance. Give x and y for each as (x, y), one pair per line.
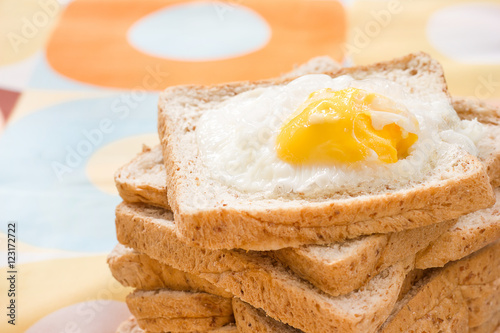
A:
(205, 257)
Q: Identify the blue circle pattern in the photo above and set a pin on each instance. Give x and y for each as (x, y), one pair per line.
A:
(200, 31)
(67, 213)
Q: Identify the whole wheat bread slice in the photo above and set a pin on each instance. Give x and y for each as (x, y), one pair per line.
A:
(213, 216)
(259, 280)
(139, 271)
(439, 299)
(144, 178)
(434, 292)
(345, 266)
(130, 326)
(252, 320)
(181, 311)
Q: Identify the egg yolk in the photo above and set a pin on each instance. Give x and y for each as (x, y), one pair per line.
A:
(346, 126)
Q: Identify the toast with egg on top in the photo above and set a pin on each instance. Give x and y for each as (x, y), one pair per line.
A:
(143, 199)
(213, 215)
(337, 272)
(144, 178)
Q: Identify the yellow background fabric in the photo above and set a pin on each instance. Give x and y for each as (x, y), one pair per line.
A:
(78, 99)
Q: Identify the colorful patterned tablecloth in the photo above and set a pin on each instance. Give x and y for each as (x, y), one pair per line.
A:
(79, 83)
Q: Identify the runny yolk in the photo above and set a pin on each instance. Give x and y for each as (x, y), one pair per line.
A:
(346, 126)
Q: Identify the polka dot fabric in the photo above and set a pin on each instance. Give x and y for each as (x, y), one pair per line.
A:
(79, 83)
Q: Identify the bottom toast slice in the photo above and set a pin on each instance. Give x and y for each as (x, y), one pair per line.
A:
(137, 270)
(181, 311)
(130, 326)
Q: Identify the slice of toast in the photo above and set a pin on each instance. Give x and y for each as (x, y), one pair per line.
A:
(144, 178)
(252, 320)
(212, 215)
(165, 310)
(130, 326)
(259, 280)
(137, 270)
(439, 299)
(341, 267)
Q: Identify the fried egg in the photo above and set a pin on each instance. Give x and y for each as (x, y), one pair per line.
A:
(317, 135)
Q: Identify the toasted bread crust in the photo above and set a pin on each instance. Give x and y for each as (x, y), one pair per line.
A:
(260, 232)
(275, 226)
(135, 190)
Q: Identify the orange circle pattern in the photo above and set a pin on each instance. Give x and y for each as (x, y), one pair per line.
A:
(90, 43)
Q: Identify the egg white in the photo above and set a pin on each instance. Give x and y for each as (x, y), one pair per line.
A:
(237, 140)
